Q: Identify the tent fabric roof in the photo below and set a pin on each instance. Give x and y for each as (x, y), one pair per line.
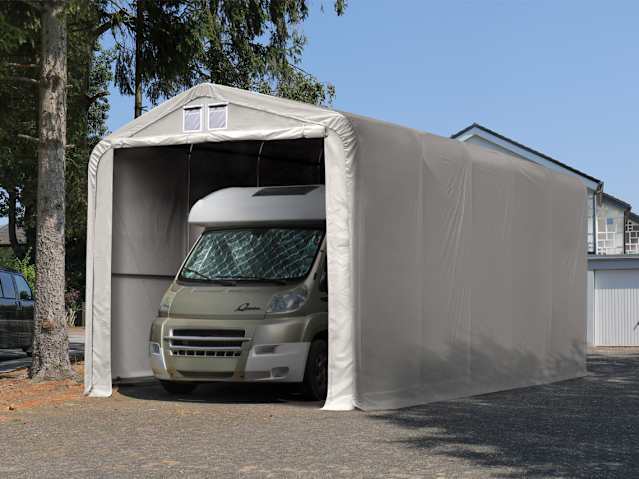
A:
(303, 111)
(313, 122)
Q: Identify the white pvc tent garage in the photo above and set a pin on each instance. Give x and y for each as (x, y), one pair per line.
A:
(454, 270)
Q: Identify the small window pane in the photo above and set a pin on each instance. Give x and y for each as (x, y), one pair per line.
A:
(217, 116)
(24, 292)
(193, 119)
(285, 190)
(7, 286)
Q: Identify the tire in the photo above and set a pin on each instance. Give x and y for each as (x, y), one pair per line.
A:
(173, 387)
(316, 372)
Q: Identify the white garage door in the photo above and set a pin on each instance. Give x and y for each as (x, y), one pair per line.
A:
(617, 307)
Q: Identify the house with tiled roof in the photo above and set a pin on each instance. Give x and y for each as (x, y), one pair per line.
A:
(613, 245)
(5, 242)
(613, 229)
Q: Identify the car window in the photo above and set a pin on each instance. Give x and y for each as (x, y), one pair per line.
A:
(24, 292)
(8, 291)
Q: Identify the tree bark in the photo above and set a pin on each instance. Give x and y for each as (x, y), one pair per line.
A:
(50, 342)
(139, 26)
(13, 236)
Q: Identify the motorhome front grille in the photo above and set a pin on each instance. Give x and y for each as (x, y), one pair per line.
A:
(207, 333)
(204, 354)
(206, 343)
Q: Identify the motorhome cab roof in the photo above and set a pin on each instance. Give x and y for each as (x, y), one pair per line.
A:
(271, 204)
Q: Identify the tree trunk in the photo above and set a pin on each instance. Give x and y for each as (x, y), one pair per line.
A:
(13, 236)
(50, 342)
(139, 26)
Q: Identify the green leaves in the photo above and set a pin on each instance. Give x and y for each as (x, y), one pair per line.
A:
(251, 44)
(258, 45)
(88, 76)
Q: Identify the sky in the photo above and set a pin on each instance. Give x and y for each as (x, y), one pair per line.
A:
(559, 76)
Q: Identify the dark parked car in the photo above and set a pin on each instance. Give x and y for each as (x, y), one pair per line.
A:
(16, 311)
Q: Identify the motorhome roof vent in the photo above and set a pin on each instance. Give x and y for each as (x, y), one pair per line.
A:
(285, 190)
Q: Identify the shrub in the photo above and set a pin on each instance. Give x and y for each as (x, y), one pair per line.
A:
(23, 265)
(72, 305)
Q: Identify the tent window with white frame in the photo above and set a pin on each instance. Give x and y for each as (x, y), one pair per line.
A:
(193, 118)
(217, 116)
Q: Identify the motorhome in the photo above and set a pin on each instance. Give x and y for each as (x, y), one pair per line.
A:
(250, 301)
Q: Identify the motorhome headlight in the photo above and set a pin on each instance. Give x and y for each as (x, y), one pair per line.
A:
(288, 301)
(154, 348)
(165, 304)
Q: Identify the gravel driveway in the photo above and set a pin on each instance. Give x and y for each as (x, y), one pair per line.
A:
(581, 428)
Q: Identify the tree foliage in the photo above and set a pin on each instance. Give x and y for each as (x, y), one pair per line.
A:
(251, 44)
(156, 44)
(19, 42)
(88, 76)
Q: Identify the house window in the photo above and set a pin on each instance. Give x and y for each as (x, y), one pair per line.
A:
(610, 229)
(632, 237)
(590, 217)
(192, 118)
(218, 116)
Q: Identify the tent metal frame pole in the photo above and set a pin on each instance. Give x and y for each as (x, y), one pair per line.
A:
(319, 165)
(188, 196)
(257, 167)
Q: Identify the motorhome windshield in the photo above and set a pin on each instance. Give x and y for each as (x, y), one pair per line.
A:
(253, 254)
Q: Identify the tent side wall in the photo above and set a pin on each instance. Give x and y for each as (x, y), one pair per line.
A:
(470, 270)
(149, 242)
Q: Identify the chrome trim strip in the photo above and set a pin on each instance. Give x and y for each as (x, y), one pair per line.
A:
(204, 348)
(207, 338)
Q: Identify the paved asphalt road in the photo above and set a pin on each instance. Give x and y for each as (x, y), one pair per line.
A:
(11, 359)
(580, 428)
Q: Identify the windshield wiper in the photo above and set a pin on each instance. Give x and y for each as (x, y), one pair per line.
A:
(196, 272)
(257, 278)
(222, 281)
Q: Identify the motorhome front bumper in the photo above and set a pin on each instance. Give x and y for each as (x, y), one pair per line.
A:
(283, 362)
(158, 366)
(183, 350)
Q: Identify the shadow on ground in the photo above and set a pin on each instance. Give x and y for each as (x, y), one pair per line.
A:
(221, 393)
(585, 427)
